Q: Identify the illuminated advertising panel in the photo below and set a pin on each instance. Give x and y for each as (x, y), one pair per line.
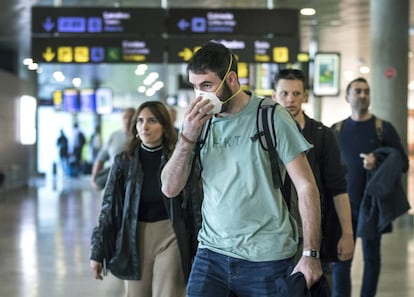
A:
(326, 75)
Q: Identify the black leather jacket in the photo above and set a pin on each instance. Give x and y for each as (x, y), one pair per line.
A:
(125, 263)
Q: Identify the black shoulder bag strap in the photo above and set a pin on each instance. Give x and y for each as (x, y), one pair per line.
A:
(201, 140)
(267, 135)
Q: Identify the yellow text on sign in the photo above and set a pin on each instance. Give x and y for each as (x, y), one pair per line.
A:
(280, 54)
(81, 54)
(65, 54)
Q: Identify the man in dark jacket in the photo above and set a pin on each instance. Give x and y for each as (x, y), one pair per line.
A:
(324, 159)
(358, 138)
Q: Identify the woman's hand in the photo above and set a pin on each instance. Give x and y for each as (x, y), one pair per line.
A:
(96, 268)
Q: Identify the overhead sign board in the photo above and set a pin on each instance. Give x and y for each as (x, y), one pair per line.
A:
(233, 21)
(124, 35)
(106, 50)
(95, 20)
(246, 49)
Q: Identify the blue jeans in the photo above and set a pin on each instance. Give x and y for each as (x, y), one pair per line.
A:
(216, 275)
(341, 271)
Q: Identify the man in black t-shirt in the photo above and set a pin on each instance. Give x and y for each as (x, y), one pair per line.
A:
(359, 141)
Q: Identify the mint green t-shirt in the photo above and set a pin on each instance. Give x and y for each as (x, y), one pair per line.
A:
(243, 215)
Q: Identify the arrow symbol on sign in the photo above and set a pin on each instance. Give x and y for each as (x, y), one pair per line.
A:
(48, 25)
(183, 24)
(186, 54)
(48, 55)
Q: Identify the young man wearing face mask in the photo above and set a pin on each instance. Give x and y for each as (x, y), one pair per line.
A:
(247, 239)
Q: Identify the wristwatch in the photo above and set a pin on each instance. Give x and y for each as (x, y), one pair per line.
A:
(311, 253)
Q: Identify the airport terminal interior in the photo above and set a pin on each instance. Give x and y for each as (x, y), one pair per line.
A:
(46, 219)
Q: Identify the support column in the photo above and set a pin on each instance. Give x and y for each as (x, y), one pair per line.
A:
(389, 62)
(389, 66)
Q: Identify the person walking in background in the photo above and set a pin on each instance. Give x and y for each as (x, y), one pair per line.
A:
(95, 143)
(375, 159)
(154, 258)
(79, 141)
(248, 238)
(63, 151)
(324, 159)
(115, 144)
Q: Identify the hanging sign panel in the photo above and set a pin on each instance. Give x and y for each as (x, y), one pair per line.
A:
(97, 20)
(249, 50)
(135, 20)
(233, 21)
(124, 35)
(87, 50)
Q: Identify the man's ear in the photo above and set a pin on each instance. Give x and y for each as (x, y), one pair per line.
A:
(274, 98)
(346, 98)
(305, 96)
(232, 78)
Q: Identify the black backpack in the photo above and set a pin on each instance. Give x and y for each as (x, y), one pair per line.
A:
(330, 226)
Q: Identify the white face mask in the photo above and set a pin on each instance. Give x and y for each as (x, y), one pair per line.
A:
(214, 100)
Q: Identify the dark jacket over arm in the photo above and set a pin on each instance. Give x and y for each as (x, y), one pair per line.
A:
(384, 198)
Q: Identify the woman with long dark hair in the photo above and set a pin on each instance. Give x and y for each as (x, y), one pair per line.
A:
(152, 245)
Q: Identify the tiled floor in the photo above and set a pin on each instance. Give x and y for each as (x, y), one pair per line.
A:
(44, 245)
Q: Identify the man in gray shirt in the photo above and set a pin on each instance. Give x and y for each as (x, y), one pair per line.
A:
(114, 145)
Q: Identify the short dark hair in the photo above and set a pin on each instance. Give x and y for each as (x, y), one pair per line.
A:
(212, 56)
(290, 74)
(358, 79)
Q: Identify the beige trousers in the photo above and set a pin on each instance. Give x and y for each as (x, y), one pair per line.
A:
(161, 271)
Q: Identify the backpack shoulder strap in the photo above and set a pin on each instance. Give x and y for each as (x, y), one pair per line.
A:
(203, 135)
(267, 136)
(196, 166)
(265, 124)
